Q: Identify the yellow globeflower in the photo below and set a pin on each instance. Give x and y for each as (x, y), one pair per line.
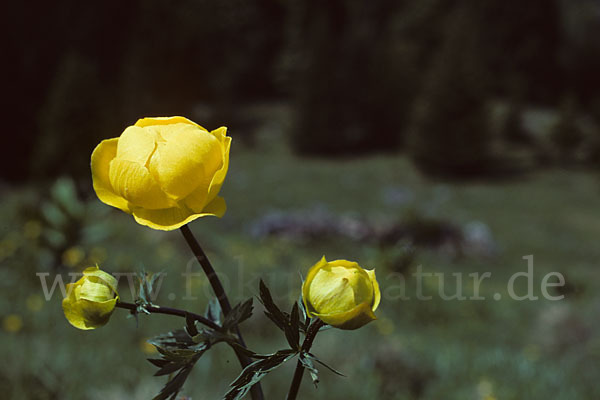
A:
(165, 171)
(341, 294)
(91, 300)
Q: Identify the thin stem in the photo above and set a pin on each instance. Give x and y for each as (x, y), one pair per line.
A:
(256, 390)
(208, 269)
(306, 345)
(171, 311)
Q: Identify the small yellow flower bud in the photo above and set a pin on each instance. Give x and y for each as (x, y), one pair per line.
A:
(166, 172)
(91, 300)
(341, 294)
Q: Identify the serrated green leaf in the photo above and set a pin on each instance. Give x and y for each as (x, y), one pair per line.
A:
(288, 323)
(280, 324)
(169, 368)
(241, 312)
(174, 385)
(210, 337)
(177, 339)
(158, 362)
(272, 311)
(179, 355)
(310, 367)
(254, 372)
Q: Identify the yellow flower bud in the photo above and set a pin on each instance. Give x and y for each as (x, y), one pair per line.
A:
(341, 294)
(166, 172)
(91, 300)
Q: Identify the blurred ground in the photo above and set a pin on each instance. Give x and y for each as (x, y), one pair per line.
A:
(433, 349)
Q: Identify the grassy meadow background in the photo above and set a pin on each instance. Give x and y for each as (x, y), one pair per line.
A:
(380, 133)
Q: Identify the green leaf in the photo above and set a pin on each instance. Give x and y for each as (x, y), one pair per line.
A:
(310, 367)
(280, 324)
(314, 358)
(179, 352)
(239, 313)
(177, 339)
(174, 386)
(169, 368)
(213, 337)
(146, 290)
(272, 311)
(288, 323)
(293, 332)
(254, 372)
(158, 362)
(304, 319)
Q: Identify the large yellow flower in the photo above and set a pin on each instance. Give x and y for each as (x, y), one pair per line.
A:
(165, 171)
(91, 300)
(341, 294)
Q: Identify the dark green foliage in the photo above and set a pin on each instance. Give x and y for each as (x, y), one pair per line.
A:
(566, 134)
(80, 73)
(512, 129)
(522, 42)
(288, 323)
(307, 359)
(146, 291)
(352, 78)
(292, 324)
(179, 353)
(181, 349)
(451, 135)
(351, 70)
(593, 145)
(580, 56)
(254, 372)
(241, 312)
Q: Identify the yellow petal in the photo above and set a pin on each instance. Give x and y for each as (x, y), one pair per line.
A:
(330, 293)
(353, 319)
(203, 194)
(101, 158)
(169, 219)
(306, 286)
(219, 176)
(197, 200)
(376, 291)
(97, 314)
(149, 121)
(85, 314)
(339, 286)
(107, 278)
(217, 207)
(133, 182)
(186, 160)
(95, 291)
(74, 313)
(136, 144)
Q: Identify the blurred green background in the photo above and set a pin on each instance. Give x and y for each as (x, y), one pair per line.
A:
(458, 136)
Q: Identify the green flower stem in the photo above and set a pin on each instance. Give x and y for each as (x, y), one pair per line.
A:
(170, 311)
(256, 390)
(306, 345)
